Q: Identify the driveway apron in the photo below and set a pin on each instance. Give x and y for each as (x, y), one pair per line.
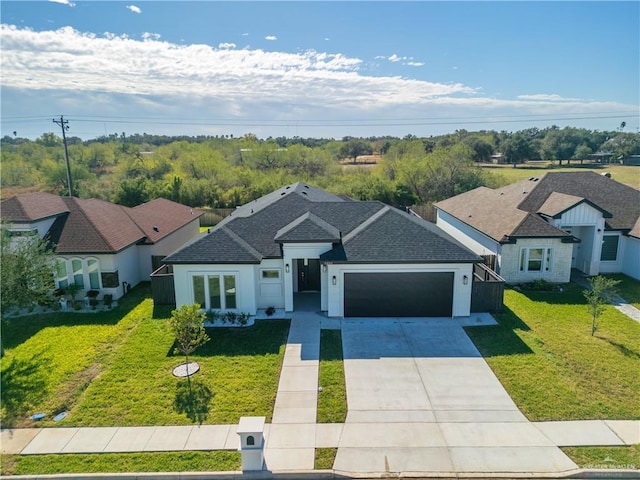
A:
(421, 398)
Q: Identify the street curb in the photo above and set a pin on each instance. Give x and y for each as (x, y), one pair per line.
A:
(581, 474)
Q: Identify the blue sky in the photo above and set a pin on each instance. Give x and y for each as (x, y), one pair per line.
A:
(317, 69)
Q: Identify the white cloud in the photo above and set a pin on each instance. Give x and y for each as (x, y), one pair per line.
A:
(226, 46)
(271, 37)
(134, 9)
(150, 36)
(77, 70)
(394, 58)
(64, 2)
(548, 98)
(111, 63)
(415, 64)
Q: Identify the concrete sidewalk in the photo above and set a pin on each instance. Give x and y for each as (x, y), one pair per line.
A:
(36, 441)
(421, 400)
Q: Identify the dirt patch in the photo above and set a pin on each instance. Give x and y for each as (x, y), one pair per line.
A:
(72, 389)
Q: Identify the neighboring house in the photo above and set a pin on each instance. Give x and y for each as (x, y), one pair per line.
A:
(99, 245)
(364, 259)
(541, 228)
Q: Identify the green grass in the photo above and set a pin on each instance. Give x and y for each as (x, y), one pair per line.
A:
(627, 174)
(332, 401)
(628, 288)
(51, 358)
(119, 374)
(627, 458)
(217, 461)
(543, 353)
(324, 458)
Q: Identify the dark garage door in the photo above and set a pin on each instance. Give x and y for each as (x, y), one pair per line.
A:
(418, 294)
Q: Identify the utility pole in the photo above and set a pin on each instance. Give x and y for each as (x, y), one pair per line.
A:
(64, 125)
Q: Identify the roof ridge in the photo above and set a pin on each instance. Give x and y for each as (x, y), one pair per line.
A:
(536, 218)
(93, 225)
(127, 211)
(81, 211)
(241, 241)
(364, 225)
(321, 222)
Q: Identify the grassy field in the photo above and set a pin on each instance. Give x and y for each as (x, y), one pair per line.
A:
(543, 353)
(114, 369)
(332, 401)
(218, 461)
(627, 174)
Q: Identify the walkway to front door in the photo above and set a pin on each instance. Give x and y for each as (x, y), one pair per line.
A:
(306, 302)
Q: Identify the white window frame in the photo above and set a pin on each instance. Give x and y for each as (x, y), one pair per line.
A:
(207, 296)
(62, 282)
(84, 270)
(546, 263)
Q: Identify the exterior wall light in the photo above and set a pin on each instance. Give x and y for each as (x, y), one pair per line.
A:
(324, 267)
(334, 280)
(465, 280)
(286, 268)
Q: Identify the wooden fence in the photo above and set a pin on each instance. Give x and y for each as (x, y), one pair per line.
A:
(487, 293)
(162, 287)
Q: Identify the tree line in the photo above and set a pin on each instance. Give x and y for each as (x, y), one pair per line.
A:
(222, 171)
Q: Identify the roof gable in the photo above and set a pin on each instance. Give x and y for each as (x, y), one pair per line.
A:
(534, 226)
(503, 213)
(559, 203)
(368, 231)
(308, 228)
(30, 207)
(491, 212)
(161, 217)
(96, 226)
(619, 201)
(395, 236)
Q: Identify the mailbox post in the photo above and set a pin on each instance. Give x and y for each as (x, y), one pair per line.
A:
(251, 432)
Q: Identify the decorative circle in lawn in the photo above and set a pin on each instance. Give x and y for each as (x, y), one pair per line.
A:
(181, 370)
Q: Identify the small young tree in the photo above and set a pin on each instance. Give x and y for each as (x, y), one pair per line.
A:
(26, 271)
(188, 327)
(601, 293)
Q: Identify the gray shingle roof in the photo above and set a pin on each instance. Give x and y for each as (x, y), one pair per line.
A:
(398, 237)
(512, 211)
(308, 228)
(621, 201)
(371, 231)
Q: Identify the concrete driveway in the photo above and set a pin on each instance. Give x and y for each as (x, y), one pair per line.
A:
(421, 398)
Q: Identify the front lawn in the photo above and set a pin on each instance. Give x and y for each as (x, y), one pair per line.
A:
(628, 288)
(625, 458)
(50, 359)
(332, 400)
(218, 461)
(115, 369)
(543, 353)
